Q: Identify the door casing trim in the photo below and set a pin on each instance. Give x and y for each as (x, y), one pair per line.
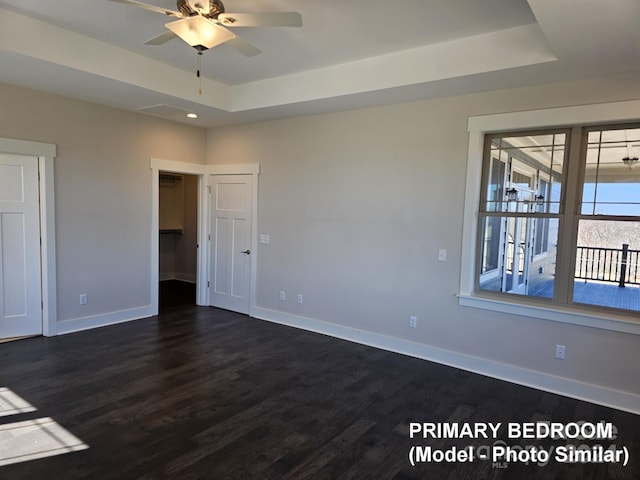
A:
(202, 172)
(156, 165)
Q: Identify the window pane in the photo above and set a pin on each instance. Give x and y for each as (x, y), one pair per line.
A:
(524, 173)
(491, 248)
(608, 264)
(495, 193)
(518, 255)
(612, 175)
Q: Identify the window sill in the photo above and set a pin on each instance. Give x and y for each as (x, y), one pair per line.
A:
(572, 315)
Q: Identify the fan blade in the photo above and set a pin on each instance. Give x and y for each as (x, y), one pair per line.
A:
(153, 8)
(269, 19)
(243, 46)
(161, 39)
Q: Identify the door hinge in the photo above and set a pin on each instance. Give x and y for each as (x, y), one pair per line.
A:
(207, 284)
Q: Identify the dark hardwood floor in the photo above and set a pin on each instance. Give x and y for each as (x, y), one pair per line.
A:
(205, 393)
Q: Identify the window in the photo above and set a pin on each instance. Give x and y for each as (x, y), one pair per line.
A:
(561, 225)
(520, 211)
(608, 242)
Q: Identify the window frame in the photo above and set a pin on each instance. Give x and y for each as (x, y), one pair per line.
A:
(575, 118)
(537, 218)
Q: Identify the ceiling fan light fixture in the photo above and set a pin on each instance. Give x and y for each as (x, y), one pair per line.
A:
(198, 31)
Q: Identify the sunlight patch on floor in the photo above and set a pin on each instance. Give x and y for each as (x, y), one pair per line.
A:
(11, 404)
(31, 439)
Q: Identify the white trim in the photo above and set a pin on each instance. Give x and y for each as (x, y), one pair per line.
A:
(553, 117)
(602, 320)
(245, 169)
(182, 277)
(163, 276)
(608, 397)
(177, 167)
(25, 147)
(104, 319)
(185, 277)
(156, 164)
(45, 153)
(48, 247)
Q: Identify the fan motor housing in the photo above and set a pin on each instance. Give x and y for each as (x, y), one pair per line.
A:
(216, 7)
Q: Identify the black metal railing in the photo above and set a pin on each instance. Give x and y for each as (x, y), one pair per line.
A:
(616, 265)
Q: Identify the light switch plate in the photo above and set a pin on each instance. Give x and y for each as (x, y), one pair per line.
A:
(442, 255)
(265, 239)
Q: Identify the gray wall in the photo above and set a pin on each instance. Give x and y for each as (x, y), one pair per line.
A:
(358, 203)
(102, 192)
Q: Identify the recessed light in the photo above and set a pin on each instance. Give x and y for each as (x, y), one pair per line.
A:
(192, 115)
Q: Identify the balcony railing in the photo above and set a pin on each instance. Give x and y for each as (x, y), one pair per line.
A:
(616, 265)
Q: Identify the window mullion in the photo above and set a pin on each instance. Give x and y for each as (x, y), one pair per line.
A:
(568, 234)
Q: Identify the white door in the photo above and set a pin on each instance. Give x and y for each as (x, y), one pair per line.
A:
(230, 242)
(20, 291)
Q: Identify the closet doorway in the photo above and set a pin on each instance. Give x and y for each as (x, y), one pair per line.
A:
(178, 239)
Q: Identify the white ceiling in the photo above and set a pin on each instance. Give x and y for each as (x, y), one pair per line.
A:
(347, 53)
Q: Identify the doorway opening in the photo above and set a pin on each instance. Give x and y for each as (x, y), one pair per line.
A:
(178, 239)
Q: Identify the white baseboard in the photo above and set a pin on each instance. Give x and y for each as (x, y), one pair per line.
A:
(102, 320)
(183, 277)
(165, 276)
(608, 397)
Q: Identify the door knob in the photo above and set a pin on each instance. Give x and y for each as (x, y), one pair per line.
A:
(248, 252)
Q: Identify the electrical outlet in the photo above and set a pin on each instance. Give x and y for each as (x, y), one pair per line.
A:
(300, 298)
(413, 321)
(84, 299)
(282, 295)
(561, 352)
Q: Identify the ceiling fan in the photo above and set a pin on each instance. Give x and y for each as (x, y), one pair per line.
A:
(203, 24)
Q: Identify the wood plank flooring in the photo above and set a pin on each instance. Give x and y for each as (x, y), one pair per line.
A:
(205, 393)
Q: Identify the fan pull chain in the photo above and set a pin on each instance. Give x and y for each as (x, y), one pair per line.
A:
(198, 74)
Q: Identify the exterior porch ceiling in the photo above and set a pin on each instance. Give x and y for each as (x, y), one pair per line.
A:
(346, 54)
